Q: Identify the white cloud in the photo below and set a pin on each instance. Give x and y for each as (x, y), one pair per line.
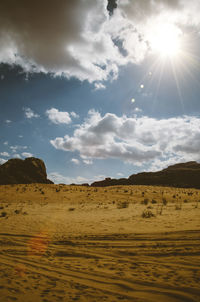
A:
(6, 154)
(15, 148)
(5, 143)
(74, 114)
(16, 155)
(27, 154)
(136, 140)
(29, 113)
(2, 161)
(58, 117)
(8, 121)
(88, 161)
(75, 161)
(99, 86)
(59, 178)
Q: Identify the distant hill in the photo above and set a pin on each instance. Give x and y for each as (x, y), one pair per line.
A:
(183, 175)
(18, 171)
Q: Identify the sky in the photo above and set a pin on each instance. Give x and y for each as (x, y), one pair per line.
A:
(100, 88)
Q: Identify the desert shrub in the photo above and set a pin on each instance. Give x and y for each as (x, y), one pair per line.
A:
(153, 201)
(125, 191)
(142, 194)
(17, 211)
(147, 213)
(164, 201)
(71, 209)
(3, 214)
(122, 204)
(57, 189)
(185, 201)
(1, 207)
(145, 201)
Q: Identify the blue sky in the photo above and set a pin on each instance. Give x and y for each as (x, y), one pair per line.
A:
(98, 93)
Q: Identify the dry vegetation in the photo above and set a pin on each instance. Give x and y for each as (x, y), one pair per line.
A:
(73, 243)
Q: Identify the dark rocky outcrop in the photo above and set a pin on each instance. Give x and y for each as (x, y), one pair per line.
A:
(18, 171)
(183, 175)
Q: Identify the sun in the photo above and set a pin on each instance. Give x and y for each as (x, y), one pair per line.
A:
(165, 40)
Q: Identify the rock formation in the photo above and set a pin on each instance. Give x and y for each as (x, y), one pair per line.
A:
(183, 175)
(18, 171)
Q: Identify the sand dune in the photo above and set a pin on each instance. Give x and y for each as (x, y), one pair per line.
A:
(68, 243)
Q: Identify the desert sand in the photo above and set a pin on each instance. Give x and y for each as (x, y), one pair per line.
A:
(122, 243)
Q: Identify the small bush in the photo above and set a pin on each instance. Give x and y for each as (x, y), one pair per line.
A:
(164, 201)
(17, 211)
(145, 201)
(153, 201)
(71, 209)
(3, 214)
(147, 213)
(122, 204)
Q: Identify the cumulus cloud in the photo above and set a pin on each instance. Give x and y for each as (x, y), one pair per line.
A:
(87, 161)
(59, 178)
(27, 154)
(29, 113)
(8, 121)
(136, 140)
(58, 117)
(99, 86)
(2, 161)
(56, 177)
(75, 161)
(6, 154)
(16, 155)
(74, 114)
(16, 148)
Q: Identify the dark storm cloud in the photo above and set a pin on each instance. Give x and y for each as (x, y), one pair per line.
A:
(77, 38)
(61, 37)
(112, 4)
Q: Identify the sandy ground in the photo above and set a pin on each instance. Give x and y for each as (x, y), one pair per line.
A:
(71, 243)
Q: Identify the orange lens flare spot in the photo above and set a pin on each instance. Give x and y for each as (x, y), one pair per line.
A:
(38, 244)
